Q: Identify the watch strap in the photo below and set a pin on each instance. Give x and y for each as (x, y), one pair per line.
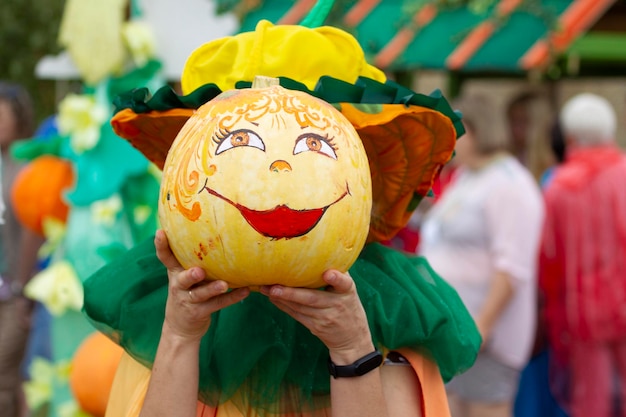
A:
(360, 367)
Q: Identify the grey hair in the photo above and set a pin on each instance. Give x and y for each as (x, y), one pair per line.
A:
(588, 119)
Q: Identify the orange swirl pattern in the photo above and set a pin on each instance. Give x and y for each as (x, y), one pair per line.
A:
(267, 106)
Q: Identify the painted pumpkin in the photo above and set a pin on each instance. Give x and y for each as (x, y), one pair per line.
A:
(266, 186)
(37, 191)
(93, 369)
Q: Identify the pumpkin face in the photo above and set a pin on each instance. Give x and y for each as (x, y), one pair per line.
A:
(266, 186)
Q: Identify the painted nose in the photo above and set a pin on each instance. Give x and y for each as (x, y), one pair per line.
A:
(280, 166)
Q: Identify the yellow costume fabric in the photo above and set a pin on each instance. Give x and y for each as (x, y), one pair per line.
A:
(132, 378)
(91, 31)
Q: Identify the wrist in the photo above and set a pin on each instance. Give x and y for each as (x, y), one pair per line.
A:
(360, 367)
(347, 356)
(177, 338)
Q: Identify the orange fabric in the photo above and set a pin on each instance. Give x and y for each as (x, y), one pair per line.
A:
(131, 384)
(359, 11)
(578, 16)
(151, 133)
(398, 44)
(297, 12)
(406, 148)
(479, 36)
(434, 397)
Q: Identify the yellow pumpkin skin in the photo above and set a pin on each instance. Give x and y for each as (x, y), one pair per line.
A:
(266, 186)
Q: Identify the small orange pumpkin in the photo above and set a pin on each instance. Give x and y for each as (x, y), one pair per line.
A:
(93, 369)
(37, 191)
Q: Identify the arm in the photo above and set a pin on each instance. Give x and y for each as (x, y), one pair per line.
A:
(336, 316)
(173, 388)
(500, 294)
(29, 245)
(403, 393)
(514, 214)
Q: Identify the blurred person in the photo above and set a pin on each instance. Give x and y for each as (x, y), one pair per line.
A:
(518, 120)
(534, 397)
(39, 343)
(18, 252)
(529, 115)
(557, 146)
(482, 236)
(583, 262)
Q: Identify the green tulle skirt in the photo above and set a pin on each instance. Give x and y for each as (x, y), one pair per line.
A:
(255, 348)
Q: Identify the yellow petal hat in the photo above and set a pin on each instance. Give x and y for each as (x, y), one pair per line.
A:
(290, 51)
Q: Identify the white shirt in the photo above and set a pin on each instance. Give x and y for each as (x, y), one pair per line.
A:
(490, 220)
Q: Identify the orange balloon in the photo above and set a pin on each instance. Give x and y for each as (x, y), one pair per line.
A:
(93, 369)
(37, 191)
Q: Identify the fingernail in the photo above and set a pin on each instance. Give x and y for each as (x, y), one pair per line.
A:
(197, 274)
(331, 277)
(276, 291)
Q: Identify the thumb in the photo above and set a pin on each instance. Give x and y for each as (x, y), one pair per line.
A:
(164, 253)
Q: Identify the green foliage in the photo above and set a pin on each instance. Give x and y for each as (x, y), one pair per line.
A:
(28, 31)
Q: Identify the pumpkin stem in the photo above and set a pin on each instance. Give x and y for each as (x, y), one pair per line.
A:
(261, 81)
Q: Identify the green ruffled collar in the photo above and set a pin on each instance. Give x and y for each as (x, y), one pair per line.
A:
(332, 90)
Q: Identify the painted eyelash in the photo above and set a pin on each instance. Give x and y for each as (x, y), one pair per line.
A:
(220, 135)
(331, 142)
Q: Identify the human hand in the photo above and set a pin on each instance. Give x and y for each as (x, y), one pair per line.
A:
(336, 315)
(191, 298)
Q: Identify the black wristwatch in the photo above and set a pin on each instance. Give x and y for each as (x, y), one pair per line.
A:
(362, 366)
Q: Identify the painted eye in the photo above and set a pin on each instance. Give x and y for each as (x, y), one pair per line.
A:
(315, 143)
(239, 138)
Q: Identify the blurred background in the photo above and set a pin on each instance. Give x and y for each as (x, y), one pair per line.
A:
(554, 47)
(528, 56)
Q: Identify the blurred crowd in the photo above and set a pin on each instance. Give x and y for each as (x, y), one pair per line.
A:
(531, 233)
(530, 229)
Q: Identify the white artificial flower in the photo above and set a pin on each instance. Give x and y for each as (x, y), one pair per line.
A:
(142, 213)
(139, 39)
(81, 117)
(44, 376)
(57, 287)
(106, 211)
(38, 390)
(54, 232)
(71, 409)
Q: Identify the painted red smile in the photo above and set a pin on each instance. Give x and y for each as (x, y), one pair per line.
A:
(281, 221)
